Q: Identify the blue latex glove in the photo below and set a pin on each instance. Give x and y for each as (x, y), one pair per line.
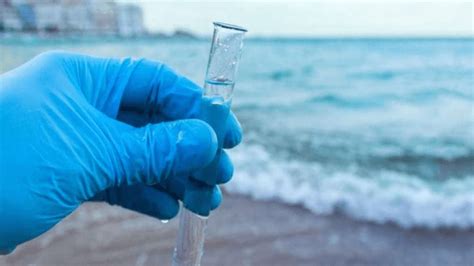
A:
(76, 128)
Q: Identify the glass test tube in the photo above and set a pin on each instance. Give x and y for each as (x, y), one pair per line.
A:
(224, 57)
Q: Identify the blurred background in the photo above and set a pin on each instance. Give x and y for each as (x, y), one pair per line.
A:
(358, 119)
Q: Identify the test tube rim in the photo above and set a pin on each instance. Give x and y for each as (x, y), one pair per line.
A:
(230, 26)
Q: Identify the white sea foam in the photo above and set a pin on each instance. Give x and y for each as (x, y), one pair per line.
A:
(388, 197)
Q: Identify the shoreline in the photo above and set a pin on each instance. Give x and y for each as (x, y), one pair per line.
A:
(7, 38)
(243, 232)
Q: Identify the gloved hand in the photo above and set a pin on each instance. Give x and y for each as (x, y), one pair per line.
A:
(75, 128)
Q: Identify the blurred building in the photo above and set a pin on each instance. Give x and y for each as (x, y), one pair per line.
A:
(16, 15)
(104, 17)
(130, 20)
(48, 16)
(88, 17)
(10, 19)
(76, 16)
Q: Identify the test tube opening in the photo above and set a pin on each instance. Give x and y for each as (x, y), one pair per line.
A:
(229, 26)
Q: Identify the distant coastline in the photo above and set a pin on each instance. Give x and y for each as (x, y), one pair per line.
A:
(33, 36)
(27, 37)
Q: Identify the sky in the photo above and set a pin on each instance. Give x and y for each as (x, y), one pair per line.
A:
(314, 18)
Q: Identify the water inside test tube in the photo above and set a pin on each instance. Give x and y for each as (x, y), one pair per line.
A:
(218, 88)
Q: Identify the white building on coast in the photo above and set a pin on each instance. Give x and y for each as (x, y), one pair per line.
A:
(84, 17)
(130, 20)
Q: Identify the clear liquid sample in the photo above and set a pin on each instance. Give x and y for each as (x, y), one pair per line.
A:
(219, 88)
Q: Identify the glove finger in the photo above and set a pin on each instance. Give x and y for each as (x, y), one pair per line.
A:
(111, 85)
(216, 199)
(201, 198)
(224, 174)
(151, 201)
(198, 197)
(175, 185)
(233, 135)
(156, 88)
(225, 169)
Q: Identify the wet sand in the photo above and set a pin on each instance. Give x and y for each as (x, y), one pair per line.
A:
(242, 232)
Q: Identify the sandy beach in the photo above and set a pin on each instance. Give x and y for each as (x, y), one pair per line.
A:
(242, 232)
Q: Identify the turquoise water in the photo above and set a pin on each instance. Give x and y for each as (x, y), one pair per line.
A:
(380, 130)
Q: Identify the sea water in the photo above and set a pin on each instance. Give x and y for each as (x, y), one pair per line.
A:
(376, 129)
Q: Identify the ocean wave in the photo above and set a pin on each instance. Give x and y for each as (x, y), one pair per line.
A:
(404, 132)
(437, 93)
(429, 96)
(281, 74)
(389, 196)
(375, 75)
(346, 102)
